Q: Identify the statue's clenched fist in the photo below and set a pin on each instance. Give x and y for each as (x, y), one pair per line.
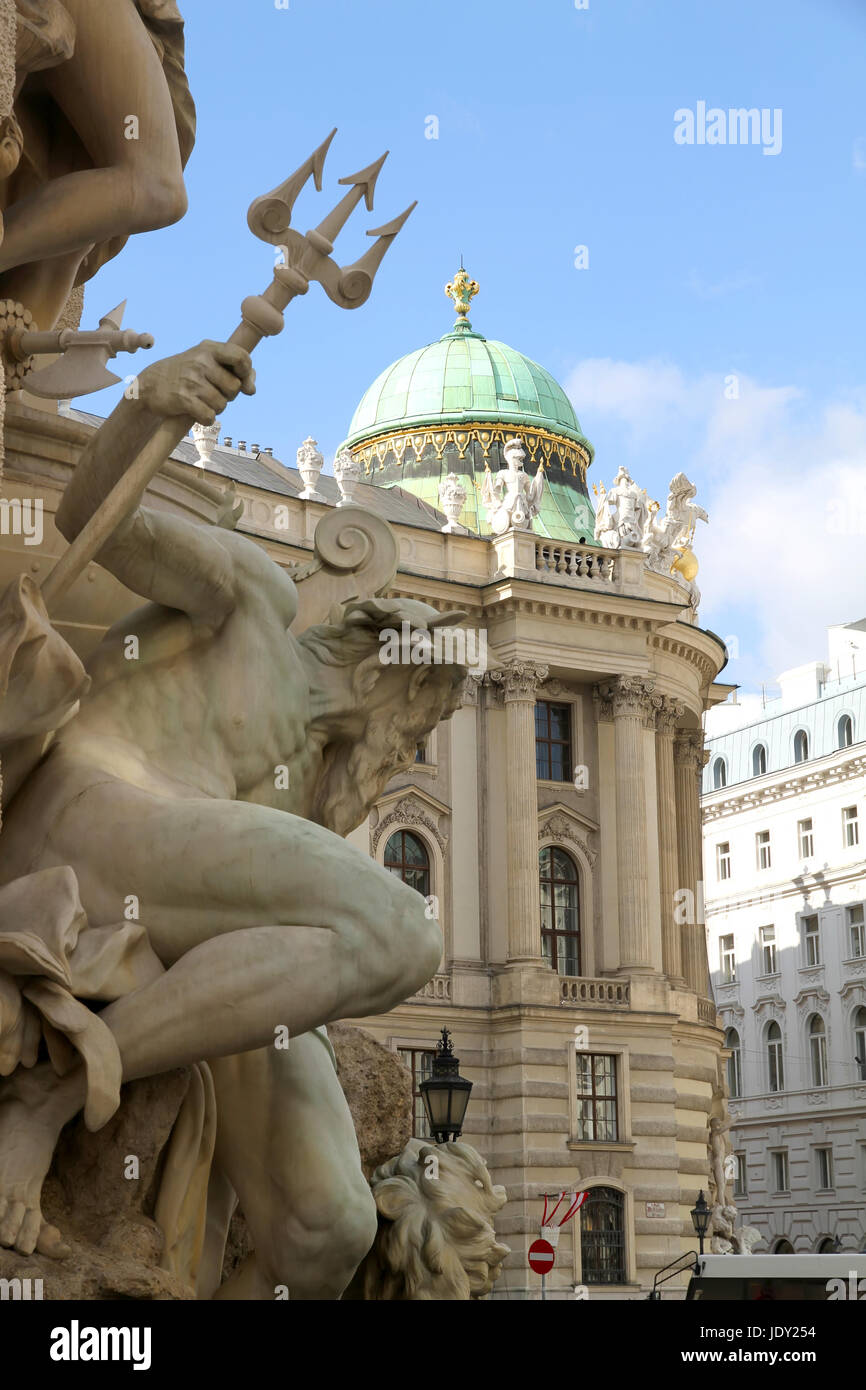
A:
(199, 382)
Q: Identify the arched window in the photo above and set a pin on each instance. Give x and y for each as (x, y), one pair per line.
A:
(759, 760)
(783, 1247)
(720, 774)
(801, 746)
(775, 1062)
(845, 731)
(560, 910)
(818, 1050)
(407, 857)
(827, 1246)
(602, 1237)
(735, 1063)
(860, 1041)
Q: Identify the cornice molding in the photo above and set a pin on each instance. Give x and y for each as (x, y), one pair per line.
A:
(785, 789)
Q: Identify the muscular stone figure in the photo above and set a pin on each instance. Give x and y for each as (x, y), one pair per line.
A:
(104, 120)
(166, 788)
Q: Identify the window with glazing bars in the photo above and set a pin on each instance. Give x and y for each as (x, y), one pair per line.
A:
(553, 761)
(596, 1098)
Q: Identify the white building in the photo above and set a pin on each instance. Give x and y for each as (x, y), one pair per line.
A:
(785, 889)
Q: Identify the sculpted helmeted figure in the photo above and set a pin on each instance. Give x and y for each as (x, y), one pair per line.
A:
(197, 779)
(511, 497)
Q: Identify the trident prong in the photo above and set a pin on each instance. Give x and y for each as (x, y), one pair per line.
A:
(269, 217)
(362, 186)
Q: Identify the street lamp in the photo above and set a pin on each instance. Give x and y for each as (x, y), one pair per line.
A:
(701, 1219)
(446, 1093)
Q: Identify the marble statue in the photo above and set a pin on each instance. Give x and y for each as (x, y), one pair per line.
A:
(621, 514)
(311, 461)
(435, 1237)
(347, 471)
(94, 149)
(187, 822)
(510, 496)
(667, 540)
(452, 500)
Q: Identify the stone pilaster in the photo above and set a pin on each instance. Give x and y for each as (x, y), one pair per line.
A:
(667, 717)
(689, 759)
(516, 685)
(631, 702)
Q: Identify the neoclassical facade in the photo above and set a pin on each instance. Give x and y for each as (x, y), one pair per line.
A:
(785, 902)
(553, 823)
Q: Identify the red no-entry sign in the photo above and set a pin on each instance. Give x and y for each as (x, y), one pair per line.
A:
(541, 1256)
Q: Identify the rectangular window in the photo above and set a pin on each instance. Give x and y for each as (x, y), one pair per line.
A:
(850, 827)
(825, 1168)
(856, 933)
(804, 835)
(553, 761)
(727, 960)
(419, 1062)
(762, 846)
(740, 1176)
(780, 1171)
(596, 1098)
(811, 940)
(420, 752)
(723, 860)
(768, 950)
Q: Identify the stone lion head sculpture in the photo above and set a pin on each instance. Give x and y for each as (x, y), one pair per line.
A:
(435, 1240)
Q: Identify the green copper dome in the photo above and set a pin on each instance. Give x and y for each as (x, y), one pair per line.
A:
(463, 376)
(449, 408)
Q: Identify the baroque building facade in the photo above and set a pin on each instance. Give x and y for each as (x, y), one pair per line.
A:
(785, 901)
(553, 822)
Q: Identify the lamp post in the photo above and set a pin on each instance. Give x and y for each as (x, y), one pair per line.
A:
(701, 1219)
(446, 1093)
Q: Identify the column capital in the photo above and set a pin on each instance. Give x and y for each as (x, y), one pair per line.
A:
(470, 689)
(668, 716)
(689, 750)
(519, 680)
(627, 697)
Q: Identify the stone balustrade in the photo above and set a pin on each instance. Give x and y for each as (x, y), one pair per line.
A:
(584, 562)
(603, 994)
(707, 1012)
(437, 988)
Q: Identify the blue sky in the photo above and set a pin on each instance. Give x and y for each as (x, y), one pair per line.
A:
(555, 129)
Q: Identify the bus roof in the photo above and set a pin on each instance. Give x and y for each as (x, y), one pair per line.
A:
(809, 1266)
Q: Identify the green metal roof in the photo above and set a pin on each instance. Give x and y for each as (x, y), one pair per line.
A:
(461, 377)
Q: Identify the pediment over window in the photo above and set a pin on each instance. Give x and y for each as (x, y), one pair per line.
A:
(812, 1001)
(770, 1008)
(560, 824)
(415, 807)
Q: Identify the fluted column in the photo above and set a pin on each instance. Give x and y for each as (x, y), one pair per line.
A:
(667, 717)
(516, 685)
(632, 703)
(689, 759)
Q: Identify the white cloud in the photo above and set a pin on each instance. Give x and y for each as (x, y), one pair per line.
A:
(784, 481)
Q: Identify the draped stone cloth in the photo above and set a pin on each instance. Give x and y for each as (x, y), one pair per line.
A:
(51, 959)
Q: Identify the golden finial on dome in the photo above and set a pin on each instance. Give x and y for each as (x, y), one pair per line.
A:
(462, 290)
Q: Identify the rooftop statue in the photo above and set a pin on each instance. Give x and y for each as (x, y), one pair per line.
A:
(102, 126)
(667, 540)
(622, 512)
(511, 498)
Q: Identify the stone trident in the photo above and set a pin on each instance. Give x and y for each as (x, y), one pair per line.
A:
(305, 258)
